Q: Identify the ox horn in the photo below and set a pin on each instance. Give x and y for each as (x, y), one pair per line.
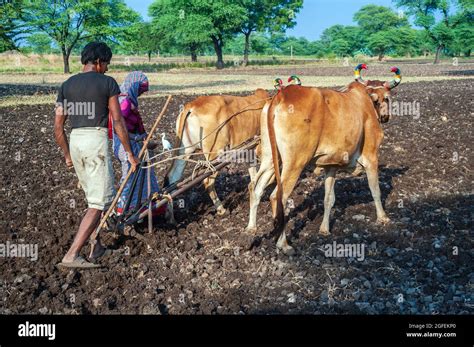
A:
(357, 70)
(396, 81)
(278, 83)
(293, 79)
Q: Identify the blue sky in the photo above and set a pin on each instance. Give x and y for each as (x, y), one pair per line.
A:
(313, 18)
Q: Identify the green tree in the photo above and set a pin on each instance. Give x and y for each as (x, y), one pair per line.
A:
(179, 23)
(39, 43)
(277, 40)
(404, 40)
(340, 47)
(226, 18)
(440, 31)
(464, 39)
(274, 15)
(316, 48)
(140, 38)
(422, 44)
(295, 45)
(384, 29)
(463, 33)
(198, 21)
(68, 22)
(379, 43)
(373, 19)
(12, 26)
(396, 40)
(351, 35)
(260, 43)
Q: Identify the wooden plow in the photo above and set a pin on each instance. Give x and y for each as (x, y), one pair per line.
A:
(123, 224)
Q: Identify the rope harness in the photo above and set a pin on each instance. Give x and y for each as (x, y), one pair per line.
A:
(201, 167)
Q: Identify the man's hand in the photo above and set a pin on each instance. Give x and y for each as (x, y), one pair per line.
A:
(134, 161)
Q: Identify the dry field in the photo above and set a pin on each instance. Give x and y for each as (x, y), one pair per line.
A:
(421, 263)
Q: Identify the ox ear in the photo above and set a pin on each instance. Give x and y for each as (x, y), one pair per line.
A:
(374, 97)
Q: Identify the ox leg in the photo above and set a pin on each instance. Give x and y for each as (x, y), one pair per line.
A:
(253, 174)
(174, 175)
(257, 186)
(169, 214)
(209, 185)
(373, 178)
(329, 198)
(289, 177)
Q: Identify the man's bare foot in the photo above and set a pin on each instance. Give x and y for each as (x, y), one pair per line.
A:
(78, 263)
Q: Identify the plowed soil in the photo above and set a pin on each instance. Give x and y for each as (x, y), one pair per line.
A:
(420, 263)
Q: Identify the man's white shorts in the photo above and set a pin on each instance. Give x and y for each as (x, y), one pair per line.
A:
(93, 164)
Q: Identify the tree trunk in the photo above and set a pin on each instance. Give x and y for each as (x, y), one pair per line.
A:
(467, 53)
(438, 53)
(381, 56)
(218, 48)
(66, 60)
(193, 50)
(246, 48)
(149, 56)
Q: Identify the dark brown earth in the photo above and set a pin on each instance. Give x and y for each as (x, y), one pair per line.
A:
(420, 263)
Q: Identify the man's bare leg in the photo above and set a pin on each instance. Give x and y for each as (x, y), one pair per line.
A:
(89, 223)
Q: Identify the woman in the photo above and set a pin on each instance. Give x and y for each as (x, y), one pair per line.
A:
(135, 84)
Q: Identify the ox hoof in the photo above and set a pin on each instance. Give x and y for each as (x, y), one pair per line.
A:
(251, 230)
(383, 220)
(324, 232)
(221, 211)
(287, 250)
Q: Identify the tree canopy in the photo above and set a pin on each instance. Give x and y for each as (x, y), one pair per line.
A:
(69, 22)
(237, 27)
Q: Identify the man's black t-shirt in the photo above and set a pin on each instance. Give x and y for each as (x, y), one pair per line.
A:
(85, 99)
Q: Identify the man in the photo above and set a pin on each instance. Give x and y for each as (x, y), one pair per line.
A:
(87, 98)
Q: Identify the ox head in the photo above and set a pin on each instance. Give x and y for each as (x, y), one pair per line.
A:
(380, 91)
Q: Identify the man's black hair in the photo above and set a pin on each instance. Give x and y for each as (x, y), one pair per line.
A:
(96, 50)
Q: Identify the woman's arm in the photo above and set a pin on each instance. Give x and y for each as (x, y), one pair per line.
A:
(126, 108)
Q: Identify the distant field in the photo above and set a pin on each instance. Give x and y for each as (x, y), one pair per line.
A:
(41, 86)
(53, 63)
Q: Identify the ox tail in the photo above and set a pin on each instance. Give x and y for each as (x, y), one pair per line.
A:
(279, 216)
(177, 164)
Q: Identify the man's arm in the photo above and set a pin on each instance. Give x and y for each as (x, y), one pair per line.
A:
(60, 134)
(121, 129)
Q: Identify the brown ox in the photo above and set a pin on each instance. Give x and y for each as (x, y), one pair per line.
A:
(332, 129)
(212, 124)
